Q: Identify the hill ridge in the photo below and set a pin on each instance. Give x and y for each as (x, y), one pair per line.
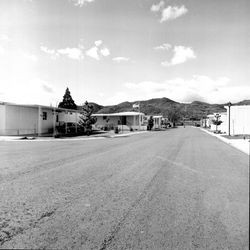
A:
(164, 106)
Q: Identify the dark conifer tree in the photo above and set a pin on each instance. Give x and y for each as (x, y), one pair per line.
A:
(150, 123)
(67, 102)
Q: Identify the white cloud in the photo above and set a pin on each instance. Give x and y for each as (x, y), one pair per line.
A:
(4, 37)
(46, 50)
(98, 51)
(171, 13)
(198, 87)
(157, 7)
(101, 94)
(105, 52)
(33, 58)
(98, 43)
(164, 46)
(4, 41)
(20, 85)
(2, 50)
(19, 79)
(73, 53)
(53, 53)
(93, 53)
(29, 56)
(181, 55)
(80, 3)
(46, 87)
(120, 59)
(117, 97)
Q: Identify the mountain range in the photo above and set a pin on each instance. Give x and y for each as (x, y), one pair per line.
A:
(164, 106)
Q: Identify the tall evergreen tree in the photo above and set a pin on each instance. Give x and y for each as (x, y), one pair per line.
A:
(67, 102)
(150, 122)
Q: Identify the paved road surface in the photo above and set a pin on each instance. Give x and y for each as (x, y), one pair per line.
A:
(177, 189)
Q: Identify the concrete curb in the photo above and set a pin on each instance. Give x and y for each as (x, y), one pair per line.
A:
(48, 140)
(230, 142)
(18, 139)
(128, 134)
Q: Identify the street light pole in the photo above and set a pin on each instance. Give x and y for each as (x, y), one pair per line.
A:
(139, 116)
(249, 155)
(229, 106)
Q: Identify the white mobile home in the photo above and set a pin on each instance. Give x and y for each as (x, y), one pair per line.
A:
(239, 119)
(123, 120)
(21, 119)
(157, 121)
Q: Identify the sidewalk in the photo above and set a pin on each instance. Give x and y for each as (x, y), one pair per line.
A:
(109, 134)
(240, 144)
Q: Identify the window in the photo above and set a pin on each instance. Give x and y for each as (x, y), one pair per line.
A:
(104, 117)
(57, 118)
(124, 120)
(44, 115)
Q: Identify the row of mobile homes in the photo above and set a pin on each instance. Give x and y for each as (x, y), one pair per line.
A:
(21, 119)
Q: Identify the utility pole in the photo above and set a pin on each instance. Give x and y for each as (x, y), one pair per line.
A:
(54, 121)
(229, 106)
(249, 155)
(139, 116)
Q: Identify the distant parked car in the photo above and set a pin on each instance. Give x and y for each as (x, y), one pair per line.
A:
(167, 125)
(179, 124)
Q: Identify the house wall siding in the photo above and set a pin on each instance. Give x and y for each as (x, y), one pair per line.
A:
(21, 120)
(47, 125)
(240, 120)
(69, 117)
(110, 121)
(2, 120)
(27, 120)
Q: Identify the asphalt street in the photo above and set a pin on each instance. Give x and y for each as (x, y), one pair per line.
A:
(174, 189)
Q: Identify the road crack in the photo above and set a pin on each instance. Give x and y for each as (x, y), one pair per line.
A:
(110, 237)
(7, 232)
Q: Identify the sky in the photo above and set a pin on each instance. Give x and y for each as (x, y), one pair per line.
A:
(111, 51)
